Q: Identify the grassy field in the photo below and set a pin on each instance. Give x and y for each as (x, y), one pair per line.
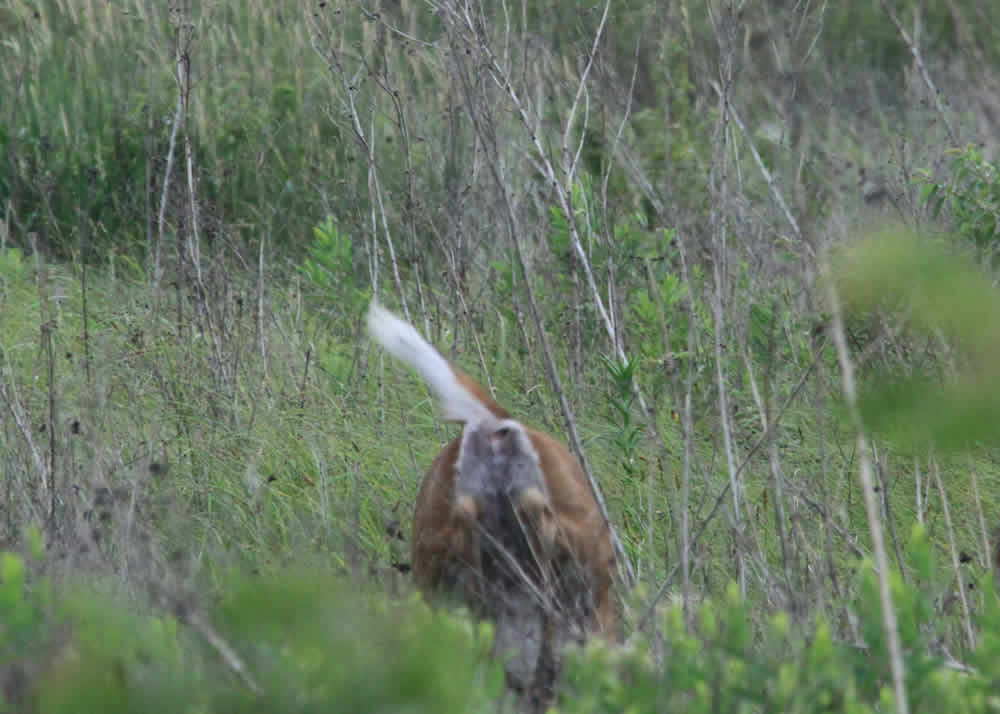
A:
(199, 203)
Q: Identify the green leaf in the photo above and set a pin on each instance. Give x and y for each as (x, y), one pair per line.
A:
(36, 544)
(936, 211)
(11, 580)
(927, 192)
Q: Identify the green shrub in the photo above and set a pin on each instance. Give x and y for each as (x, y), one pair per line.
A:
(712, 667)
(309, 643)
(939, 294)
(972, 197)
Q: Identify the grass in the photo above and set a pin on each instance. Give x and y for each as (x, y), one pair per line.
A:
(270, 460)
(266, 466)
(235, 425)
(260, 98)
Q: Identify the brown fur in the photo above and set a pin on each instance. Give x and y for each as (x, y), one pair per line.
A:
(506, 523)
(480, 393)
(442, 543)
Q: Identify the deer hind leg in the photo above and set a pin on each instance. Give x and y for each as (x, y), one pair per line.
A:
(542, 691)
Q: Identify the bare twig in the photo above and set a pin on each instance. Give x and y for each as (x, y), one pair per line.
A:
(779, 488)
(688, 422)
(569, 167)
(979, 512)
(920, 493)
(924, 74)
(148, 176)
(47, 340)
(887, 508)
(184, 87)
(224, 649)
(720, 499)
(720, 188)
(966, 615)
(824, 511)
(868, 487)
(260, 302)
(9, 394)
(563, 192)
(84, 251)
(460, 17)
(349, 86)
(768, 177)
(164, 194)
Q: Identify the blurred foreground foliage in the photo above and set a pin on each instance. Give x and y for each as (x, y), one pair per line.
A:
(948, 310)
(312, 644)
(724, 664)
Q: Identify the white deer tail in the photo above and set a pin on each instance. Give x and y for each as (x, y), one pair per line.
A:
(403, 342)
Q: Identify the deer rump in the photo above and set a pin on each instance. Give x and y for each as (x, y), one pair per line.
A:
(485, 534)
(505, 524)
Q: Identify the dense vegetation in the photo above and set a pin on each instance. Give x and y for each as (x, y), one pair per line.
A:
(748, 250)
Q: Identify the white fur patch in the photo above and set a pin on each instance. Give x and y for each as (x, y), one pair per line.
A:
(403, 342)
(523, 440)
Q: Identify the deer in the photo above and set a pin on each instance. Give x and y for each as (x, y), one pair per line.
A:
(506, 524)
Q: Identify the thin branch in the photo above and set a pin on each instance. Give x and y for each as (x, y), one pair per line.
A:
(184, 87)
(924, 74)
(580, 87)
(868, 487)
(161, 220)
(562, 194)
(768, 177)
(367, 143)
(966, 615)
(625, 565)
(719, 187)
(686, 542)
(979, 513)
(720, 499)
(226, 652)
(779, 488)
(887, 509)
(9, 395)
